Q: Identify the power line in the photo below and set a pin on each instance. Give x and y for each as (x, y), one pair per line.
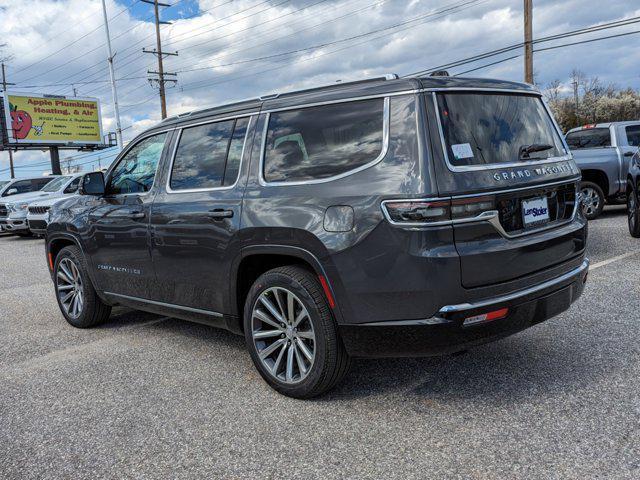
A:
(77, 39)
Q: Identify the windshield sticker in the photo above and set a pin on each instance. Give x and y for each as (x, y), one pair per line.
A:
(462, 150)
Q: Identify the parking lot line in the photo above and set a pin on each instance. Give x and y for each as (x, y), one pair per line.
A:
(613, 259)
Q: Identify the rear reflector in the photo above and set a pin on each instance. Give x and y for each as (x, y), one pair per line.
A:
(486, 317)
(327, 291)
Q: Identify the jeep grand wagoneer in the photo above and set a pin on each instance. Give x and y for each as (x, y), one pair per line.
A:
(387, 217)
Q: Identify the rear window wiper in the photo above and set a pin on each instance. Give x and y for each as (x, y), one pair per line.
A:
(526, 150)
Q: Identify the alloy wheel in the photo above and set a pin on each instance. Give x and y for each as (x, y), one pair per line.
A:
(590, 201)
(69, 287)
(283, 335)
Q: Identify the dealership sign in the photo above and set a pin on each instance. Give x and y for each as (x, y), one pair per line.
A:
(31, 119)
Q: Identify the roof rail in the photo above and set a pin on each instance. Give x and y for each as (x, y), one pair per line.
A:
(387, 77)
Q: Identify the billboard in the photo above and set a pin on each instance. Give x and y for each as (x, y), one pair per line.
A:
(33, 119)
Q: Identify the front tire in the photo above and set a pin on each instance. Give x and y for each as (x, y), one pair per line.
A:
(592, 200)
(291, 334)
(77, 299)
(633, 210)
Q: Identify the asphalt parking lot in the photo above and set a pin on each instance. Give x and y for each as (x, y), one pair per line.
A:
(145, 396)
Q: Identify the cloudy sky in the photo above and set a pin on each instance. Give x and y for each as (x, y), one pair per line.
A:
(230, 50)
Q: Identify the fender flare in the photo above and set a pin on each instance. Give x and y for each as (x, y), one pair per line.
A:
(289, 250)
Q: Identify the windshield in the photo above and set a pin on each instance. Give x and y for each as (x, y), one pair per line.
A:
(55, 185)
(488, 128)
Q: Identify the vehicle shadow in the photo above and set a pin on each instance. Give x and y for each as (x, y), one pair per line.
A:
(506, 372)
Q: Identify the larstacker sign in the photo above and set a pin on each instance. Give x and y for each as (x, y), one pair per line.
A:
(38, 121)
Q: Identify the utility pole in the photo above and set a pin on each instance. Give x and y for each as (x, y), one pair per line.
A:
(4, 88)
(161, 80)
(528, 41)
(114, 93)
(575, 97)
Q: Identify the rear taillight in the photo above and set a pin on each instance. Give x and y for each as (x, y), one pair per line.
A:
(437, 211)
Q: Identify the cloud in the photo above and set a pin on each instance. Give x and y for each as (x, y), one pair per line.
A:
(234, 50)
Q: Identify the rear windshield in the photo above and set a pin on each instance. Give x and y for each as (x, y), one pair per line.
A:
(485, 129)
(633, 135)
(589, 138)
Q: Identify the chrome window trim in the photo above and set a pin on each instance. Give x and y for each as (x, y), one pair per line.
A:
(494, 166)
(163, 304)
(490, 216)
(124, 153)
(386, 120)
(172, 191)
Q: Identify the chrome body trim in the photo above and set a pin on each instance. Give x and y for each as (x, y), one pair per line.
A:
(383, 153)
(172, 160)
(490, 216)
(494, 166)
(462, 307)
(163, 304)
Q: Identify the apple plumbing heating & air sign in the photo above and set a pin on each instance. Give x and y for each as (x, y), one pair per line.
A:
(50, 120)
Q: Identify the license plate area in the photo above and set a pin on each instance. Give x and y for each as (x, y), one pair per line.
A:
(535, 212)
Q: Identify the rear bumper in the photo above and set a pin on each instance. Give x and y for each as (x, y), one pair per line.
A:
(445, 333)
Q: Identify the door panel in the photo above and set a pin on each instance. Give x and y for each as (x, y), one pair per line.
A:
(196, 218)
(121, 232)
(120, 222)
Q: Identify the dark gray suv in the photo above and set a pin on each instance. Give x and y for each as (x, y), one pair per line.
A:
(388, 217)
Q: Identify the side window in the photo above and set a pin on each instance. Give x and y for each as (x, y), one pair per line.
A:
(633, 135)
(136, 171)
(22, 186)
(73, 186)
(232, 169)
(589, 138)
(320, 142)
(208, 156)
(40, 183)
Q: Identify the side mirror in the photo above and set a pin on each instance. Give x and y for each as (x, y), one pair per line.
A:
(92, 184)
(12, 191)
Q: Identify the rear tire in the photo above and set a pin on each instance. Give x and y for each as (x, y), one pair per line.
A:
(592, 199)
(291, 334)
(633, 210)
(77, 299)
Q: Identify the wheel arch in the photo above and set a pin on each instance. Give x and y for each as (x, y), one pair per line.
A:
(258, 259)
(599, 177)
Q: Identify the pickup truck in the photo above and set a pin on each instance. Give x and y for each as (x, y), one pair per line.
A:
(603, 151)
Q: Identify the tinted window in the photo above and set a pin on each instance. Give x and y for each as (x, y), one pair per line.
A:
(633, 135)
(589, 138)
(201, 156)
(482, 129)
(235, 152)
(208, 156)
(136, 171)
(73, 186)
(321, 142)
(25, 186)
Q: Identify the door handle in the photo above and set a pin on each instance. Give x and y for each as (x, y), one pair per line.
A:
(136, 215)
(220, 213)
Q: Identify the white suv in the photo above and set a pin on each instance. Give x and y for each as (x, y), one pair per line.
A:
(16, 209)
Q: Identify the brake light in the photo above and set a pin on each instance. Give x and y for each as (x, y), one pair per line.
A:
(589, 126)
(425, 212)
(486, 317)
